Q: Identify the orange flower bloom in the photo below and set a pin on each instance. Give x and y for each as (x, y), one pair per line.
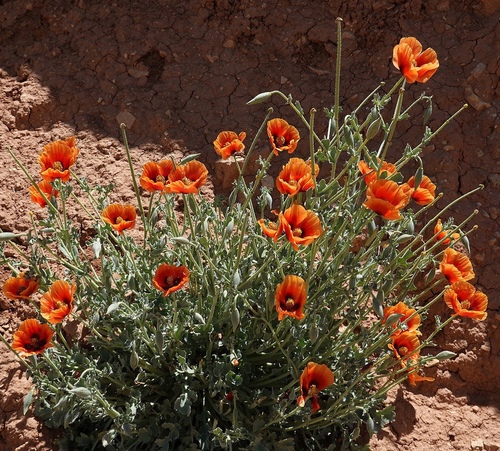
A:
(425, 193)
(413, 376)
(228, 143)
(386, 198)
(170, 278)
(32, 337)
(57, 303)
(187, 178)
(291, 297)
(370, 174)
(56, 158)
(440, 234)
(20, 287)
(296, 176)
(154, 175)
(313, 379)
(282, 136)
(119, 216)
(404, 345)
(401, 309)
(46, 188)
(463, 298)
(300, 225)
(414, 64)
(271, 229)
(456, 266)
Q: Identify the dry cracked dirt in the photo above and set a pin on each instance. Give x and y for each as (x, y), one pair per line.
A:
(177, 73)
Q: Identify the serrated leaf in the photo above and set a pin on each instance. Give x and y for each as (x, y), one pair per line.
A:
(377, 307)
(393, 319)
(97, 247)
(113, 307)
(235, 319)
(28, 400)
(63, 250)
(81, 392)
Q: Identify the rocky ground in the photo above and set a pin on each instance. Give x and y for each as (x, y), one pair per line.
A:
(177, 73)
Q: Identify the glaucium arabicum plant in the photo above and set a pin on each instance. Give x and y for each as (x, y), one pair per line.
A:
(267, 320)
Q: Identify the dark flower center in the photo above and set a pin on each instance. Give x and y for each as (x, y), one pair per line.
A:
(35, 344)
(280, 141)
(61, 303)
(313, 389)
(297, 232)
(171, 281)
(290, 303)
(58, 166)
(403, 350)
(21, 288)
(160, 178)
(465, 305)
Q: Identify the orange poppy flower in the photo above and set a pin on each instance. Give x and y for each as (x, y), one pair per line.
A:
(228, 143)
(414, 64)
(404, 345)
(370, 174)
(56, 158)
(300, 225)
(20, 287)
(282, 136)
(154, 175)
(291, 297)
(119, 216)
(463, 298)
(187, 178)
(413, 376)
(386, 198)
(46, 188)
(400, 308)
(440, 234)
(57, 303)
(32, 337)
(456, 266)
(296, 176)
(313, 379)
(170, 278)
(270, 228)
(425, 193)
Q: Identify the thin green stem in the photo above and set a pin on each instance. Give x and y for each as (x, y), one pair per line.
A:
(132, 173)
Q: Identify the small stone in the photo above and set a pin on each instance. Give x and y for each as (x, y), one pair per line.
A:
(490, 446)
(229, 44)
(137, 73)
(124, 117)
(475, 101)
(494, 179)
(477, 71)
(476, 444)
(267, 181)
(443, 5)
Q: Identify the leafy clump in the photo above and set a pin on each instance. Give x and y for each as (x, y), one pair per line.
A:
(250, 322)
